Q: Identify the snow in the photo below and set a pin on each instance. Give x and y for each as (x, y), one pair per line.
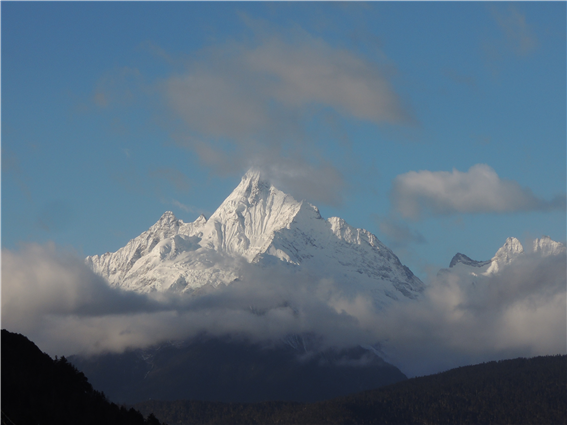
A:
(260, 225)
(546, 246)
(506, 255)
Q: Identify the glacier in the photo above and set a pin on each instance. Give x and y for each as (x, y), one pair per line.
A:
(257, 225)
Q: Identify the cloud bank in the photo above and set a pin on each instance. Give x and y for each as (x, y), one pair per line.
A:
(54, 299)
(479, 190)
(519, 312)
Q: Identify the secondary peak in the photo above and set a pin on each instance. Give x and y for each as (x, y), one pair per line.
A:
(167, 218)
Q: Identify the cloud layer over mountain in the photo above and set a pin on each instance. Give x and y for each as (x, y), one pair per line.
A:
(53, 298)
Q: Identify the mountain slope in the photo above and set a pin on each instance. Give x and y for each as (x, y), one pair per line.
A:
(519, 391)
(235, 370)
(257, 224)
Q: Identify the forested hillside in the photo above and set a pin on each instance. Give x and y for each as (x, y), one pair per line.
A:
(37, 389)
(519, 391)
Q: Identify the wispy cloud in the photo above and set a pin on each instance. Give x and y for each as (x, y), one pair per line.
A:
(398, 232)
(172, 175)
(251, 102)
(186, 208)
(517, 31)
(255, 100)
(118, 87)
(478, 190)
(11, 167)
(246, 89)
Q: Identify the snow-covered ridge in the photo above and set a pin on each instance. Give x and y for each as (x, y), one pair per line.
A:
(260, 225)
(506, 255)
(546, 246)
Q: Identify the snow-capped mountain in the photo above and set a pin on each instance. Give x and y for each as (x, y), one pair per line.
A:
(505, 256)
(260, 225)
(546, 246)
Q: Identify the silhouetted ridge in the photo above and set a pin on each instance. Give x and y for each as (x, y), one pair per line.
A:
(39, 390)
(462, 258)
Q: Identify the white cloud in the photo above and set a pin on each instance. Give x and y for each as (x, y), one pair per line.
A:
(55, 300)
(479, 190)
(519, 312)
(42, 280)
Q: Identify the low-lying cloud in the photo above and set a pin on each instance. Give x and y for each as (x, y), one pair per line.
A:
(478, 190)
(41, 280)
(55, 300)
(519, 312)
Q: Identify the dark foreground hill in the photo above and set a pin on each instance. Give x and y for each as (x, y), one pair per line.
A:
(520, 391)
(236, 370)
(39, 390)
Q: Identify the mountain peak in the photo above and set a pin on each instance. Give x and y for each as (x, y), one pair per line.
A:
(547, 246)
(506, 254)
(167, 216)
(201, 219)
(262, 225)
(167, 219)
(510, 249)
(253, 173)
(462, 258)
(254, 177)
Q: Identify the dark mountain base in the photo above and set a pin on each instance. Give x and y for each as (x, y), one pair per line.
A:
(216, 369)
(39, 390)
(520, 391)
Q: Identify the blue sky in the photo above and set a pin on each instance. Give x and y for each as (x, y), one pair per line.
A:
(440, 127)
